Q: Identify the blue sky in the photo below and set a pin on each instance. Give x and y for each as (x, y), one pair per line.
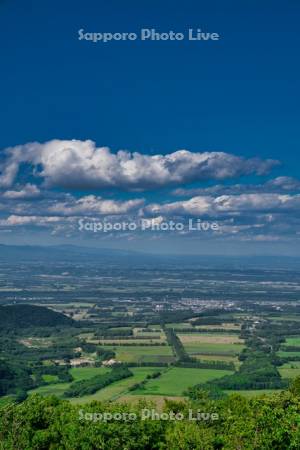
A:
(238, 96)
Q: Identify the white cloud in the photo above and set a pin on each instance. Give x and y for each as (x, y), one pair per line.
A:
(15, 220)
(91, 204)
(284, 183)
(213, 206)
(28, 191)
(279, 184)
(81, 165)
(246, 211)
(8, 171)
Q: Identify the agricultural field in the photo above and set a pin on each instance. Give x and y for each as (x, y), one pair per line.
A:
(50, 378)
(129, 313)
(139, 353)
(124, 341)
(56, 389)
(290, 370)
(288, 317)
(293, 340)
(175, 381)
(83, 373)
(116, 330)
(225, 358)
(207, 338)
(151, 333)
(179, 325)
(138, 336)
(224, 326)
(78, 374)
(172, 382)
(213, 349)
(148, 333)
(283, 354)
(211, 344)
(119, 388)
(87, 336)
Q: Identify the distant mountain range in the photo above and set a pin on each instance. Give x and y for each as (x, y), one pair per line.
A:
(17, 253)
(73, 253)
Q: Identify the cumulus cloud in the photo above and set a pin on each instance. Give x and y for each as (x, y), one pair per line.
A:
(279, 184)
(15, 220)
(234, 204)
(8, 170)
(91, 204)
(247, 211)
(284, 183)
(27, 192)
(81, 165)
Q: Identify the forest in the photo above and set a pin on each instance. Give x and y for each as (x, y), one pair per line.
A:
(258, 423)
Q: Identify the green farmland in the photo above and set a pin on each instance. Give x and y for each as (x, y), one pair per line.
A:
(174, 381)
(138, 354)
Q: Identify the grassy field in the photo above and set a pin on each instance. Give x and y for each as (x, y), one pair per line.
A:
(83, 373)
(119, 388)
(225, 358)
(80, 373)
(209, 338)
(195, 348)
(222, 357)
(50, 378)
(154, 326)
(117, 329)
(61, 306)
(51, 389)
(174, 381)
(143, 353)
(159, 400)
(179, 325)
(157, 334)
(294, 340)
(85, 336)
(293, 317)
(108, 393)
(287, 354)
(291, 365)
(224, 326)
(290, 370)
(211, 343)
(171, 384)
(125, 341)
(150, 334)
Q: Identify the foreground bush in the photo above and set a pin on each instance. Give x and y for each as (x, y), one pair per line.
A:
(262, 423)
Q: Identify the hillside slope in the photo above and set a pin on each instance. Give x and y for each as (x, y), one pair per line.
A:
(22, 316)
